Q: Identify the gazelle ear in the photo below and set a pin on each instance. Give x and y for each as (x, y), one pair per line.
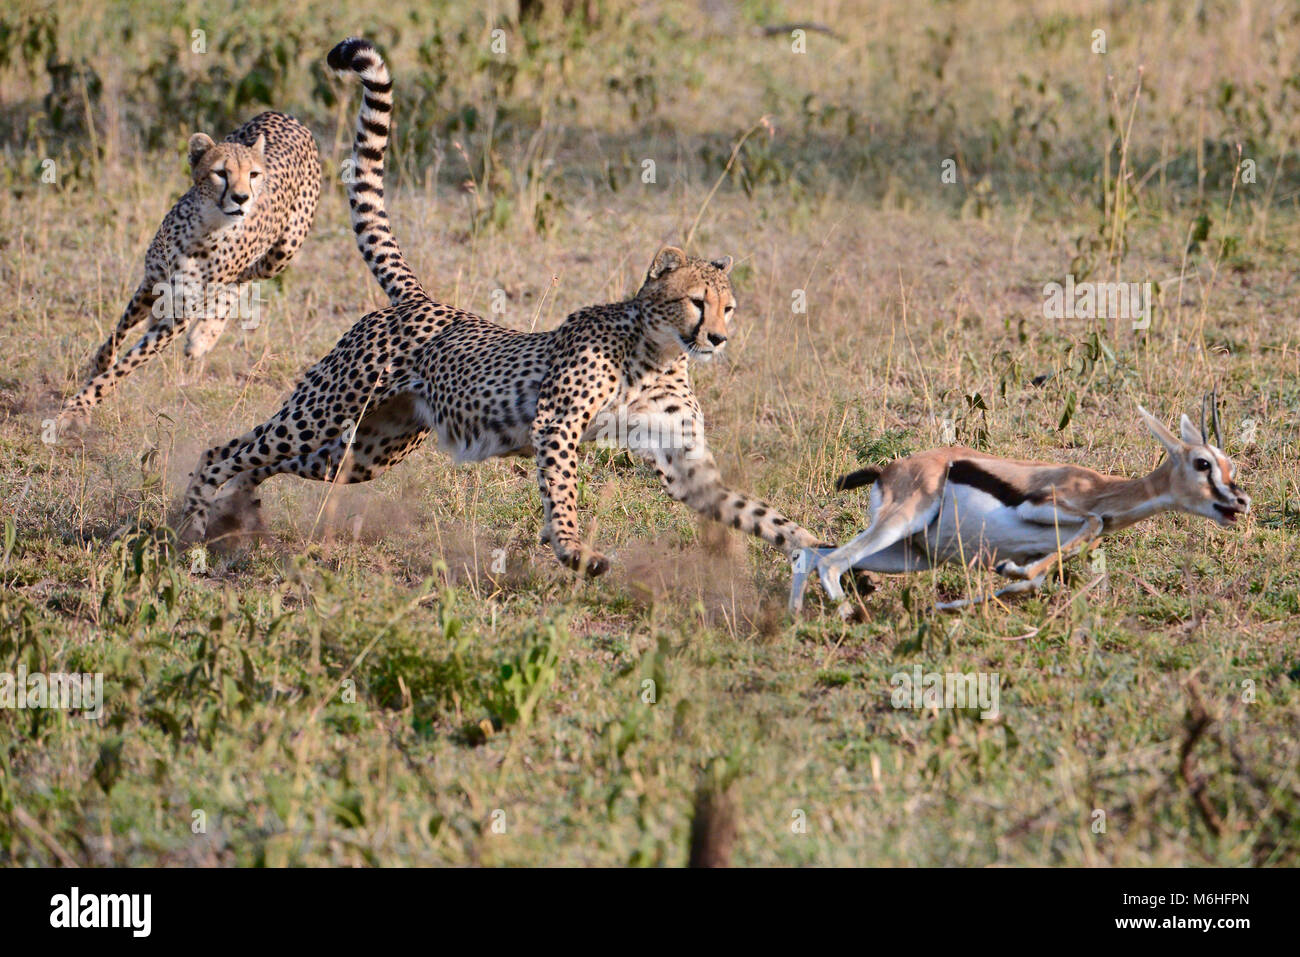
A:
(1191, 434)
(666, 260)
(1167, 438)
(723, 264)
(200, 143)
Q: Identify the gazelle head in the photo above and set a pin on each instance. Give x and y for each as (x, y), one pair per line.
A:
(1202, 480)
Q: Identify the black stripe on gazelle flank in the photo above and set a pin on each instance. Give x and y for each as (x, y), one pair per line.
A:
(966, 472)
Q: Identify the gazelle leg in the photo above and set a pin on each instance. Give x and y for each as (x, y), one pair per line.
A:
(1090, 532)
(802, 564)
(890, 524)
(1015, 588)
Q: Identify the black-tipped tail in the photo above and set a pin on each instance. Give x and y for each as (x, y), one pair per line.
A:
(365, 178)
(856, 479)
(345, 55)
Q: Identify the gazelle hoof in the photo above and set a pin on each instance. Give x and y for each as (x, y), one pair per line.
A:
(1009, 569)
(851, 612)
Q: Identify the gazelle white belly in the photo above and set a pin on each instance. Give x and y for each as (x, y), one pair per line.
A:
(974, 526)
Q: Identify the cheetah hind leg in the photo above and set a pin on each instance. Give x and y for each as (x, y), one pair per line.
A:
(235, 518)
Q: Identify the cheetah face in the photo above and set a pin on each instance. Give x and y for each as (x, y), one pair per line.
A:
(691, 303)
(229, 174)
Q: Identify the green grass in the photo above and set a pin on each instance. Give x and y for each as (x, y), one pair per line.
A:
(364, 688)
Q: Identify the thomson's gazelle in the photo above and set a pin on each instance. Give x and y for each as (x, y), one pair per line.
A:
(1019, 518)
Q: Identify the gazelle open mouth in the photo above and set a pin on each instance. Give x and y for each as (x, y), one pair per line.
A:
(1229, 514)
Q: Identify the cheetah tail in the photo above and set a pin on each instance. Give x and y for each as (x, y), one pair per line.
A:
(366, 183)
(856, 479)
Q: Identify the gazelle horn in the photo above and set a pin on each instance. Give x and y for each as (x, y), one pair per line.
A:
(1214, 413)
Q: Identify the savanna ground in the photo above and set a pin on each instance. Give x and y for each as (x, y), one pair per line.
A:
(368, 686)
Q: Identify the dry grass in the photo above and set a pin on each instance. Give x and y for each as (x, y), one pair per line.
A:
(226, 688)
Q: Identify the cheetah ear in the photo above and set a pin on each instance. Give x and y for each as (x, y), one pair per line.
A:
(200, 143)
(666, 260)
(723, 265)
(260, 146)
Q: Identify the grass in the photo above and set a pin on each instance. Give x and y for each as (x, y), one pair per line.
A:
(399, 674)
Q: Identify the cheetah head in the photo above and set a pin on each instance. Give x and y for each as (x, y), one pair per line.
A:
(690, 303)
(229, 174)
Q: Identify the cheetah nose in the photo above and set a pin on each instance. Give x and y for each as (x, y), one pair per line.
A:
(240, 198)
(717, 338)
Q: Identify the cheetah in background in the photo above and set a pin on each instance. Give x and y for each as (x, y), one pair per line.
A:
(419, 366)
(251, 206)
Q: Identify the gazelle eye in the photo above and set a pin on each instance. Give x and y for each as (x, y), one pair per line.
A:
(1202, 465)
(698, 304)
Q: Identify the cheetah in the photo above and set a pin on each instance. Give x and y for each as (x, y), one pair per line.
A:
(249, 210)
(418, 367)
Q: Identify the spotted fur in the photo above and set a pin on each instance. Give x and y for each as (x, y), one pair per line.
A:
(248, 212)
(420, 367)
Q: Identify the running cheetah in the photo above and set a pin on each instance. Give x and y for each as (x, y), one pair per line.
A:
(617, 371)
(251, 205)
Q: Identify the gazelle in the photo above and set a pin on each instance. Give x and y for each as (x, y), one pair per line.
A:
(1020, 518)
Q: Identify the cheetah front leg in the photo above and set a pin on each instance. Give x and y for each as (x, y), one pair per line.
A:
(226, 301)
(557, 479)
(137, 310)
(207, 331)
(102, 385)
(674, 444)
(562, 419)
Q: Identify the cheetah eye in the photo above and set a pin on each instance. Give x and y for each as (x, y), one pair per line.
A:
(253, 174)
(1202, 465)
(698, 304)
(731, 307)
